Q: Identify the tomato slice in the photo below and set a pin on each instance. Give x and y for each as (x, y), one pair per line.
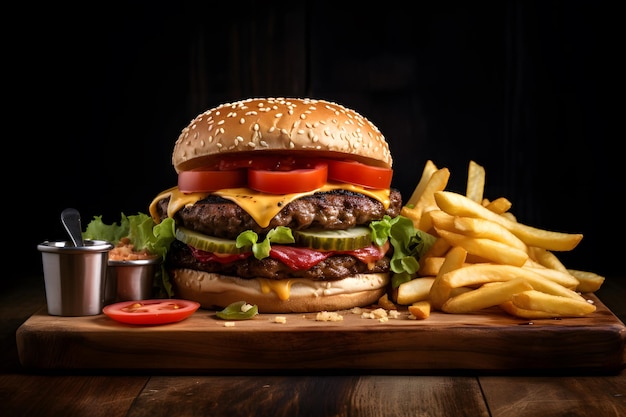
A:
(285, 182)
(359, 174)
(207, 181)
(158, 311)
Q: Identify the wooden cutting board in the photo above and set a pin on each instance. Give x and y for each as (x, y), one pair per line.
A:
(489, 341)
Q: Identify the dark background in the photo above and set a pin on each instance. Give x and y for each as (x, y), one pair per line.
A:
(529, 89)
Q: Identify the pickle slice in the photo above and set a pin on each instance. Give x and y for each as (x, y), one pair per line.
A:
(339, 240)
(208, 243)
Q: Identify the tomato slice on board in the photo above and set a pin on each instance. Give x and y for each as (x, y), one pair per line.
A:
(207, 181)
(359, 174)
(285, 182)
(158, 311)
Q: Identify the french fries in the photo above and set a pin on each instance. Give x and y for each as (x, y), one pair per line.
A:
(475, 182)
(459, 205)
(420, 310)
(486, 296)
(484, 258)
(415, 290)
(553, 304)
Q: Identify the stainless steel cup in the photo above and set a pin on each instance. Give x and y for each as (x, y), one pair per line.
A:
(131, 279)
(74, 276)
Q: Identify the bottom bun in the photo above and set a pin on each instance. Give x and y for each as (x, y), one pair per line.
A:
(215, 291)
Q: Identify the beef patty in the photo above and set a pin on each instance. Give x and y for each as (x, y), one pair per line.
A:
(333, 210)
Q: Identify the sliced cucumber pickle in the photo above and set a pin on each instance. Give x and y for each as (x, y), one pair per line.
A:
(208, 243)
(351, 239)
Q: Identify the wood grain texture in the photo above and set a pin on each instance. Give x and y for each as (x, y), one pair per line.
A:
(555, 397)
(490, 341)
(68, 395)
(279, 396)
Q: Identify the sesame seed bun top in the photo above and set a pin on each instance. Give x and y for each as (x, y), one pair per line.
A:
(277, 125)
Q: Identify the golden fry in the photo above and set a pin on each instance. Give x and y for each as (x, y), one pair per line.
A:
(546, 258)
(486, 296)
(554, 304)
(564, 279)
(415, 290)
(486, 248)
(459, 205)
(514, 310)
(427, 172)
(489, 230)
(431, 265)
(475, 182)
(587, 281)
(499, 205)
(420, 310)
(439, 248)
(440, 291)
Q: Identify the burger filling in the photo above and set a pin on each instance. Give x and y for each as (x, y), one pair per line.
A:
(333, 210)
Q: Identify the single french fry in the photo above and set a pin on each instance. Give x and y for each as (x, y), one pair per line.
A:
(489, 230)
(459, 205)
(475, 182)
(546, 285)
(486, 296)
(565, 279)
(420, 310)
(479, 274)
(431, 265)
(417, 289)
(554, 304)
(437, 182)
(587, 281)
(439, 248)
(546, 258)
(439, 290)
(486, 248)
(413, 214)
(427, 172)
(514, 310)
(500, 205)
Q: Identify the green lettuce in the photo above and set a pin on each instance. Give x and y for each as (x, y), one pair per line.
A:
(143, 234)
(409, 245)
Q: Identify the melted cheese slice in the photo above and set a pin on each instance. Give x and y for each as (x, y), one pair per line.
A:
(261, 206)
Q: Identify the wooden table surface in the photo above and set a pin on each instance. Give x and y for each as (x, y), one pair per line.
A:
(80, 393)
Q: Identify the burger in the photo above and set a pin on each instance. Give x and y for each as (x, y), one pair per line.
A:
(275, 206)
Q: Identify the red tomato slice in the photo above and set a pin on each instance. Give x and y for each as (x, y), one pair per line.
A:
(359, 174)
(207, 181)
(159, 311)
(285, 182)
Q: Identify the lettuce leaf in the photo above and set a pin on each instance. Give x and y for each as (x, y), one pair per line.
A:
(143, 233)
(409, 245)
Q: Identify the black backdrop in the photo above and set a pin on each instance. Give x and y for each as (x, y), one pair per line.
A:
(528, 89)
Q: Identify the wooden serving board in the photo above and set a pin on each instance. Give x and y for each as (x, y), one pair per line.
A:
(489, 341)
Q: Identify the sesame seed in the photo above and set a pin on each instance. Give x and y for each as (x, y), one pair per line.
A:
(252, 144)
(242, 120)
(256, 127)
(278, 115)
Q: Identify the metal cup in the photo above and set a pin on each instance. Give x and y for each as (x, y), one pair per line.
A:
(75, 276)
(131, 280)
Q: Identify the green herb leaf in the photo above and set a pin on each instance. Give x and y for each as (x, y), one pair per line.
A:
(239, 310)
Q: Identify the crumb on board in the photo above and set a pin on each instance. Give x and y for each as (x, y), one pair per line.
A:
(328, 316)
(229, 324)
(279, 319)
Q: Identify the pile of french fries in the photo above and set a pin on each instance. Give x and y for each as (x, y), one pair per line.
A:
(484, 258)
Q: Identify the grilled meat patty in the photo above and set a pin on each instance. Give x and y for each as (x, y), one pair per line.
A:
(333, 210)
